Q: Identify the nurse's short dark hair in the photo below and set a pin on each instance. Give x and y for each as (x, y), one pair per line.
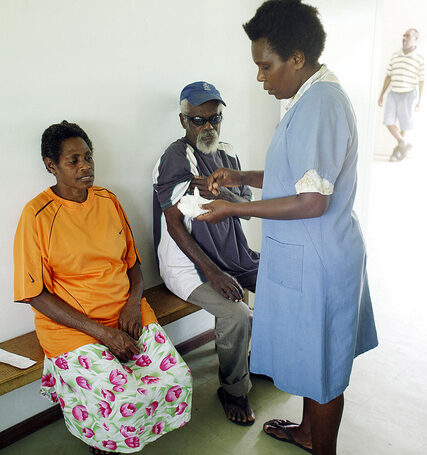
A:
(288, 26)
(54, 135)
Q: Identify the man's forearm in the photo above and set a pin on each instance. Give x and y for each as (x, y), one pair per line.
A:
(420, 91)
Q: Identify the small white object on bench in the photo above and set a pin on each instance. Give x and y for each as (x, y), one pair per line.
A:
(15, 360)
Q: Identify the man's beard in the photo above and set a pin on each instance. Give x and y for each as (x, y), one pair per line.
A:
(207, 141)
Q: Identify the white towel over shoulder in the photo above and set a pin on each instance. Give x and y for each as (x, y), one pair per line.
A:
(189, 205)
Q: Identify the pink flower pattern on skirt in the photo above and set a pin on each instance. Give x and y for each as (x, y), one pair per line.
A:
(132, 442)
(48, 380)
(104, 409)
(107, 392)
(88, 433)
(61, 363)
(143, 361)
(107, 355)
(85, 362)
(180, 408)
(167, 362)
(109, 445)
(173, 393)
(127, 369)
(108, 395)
(151, 409)
(127, 409)
(159, 337)
(82, 382)
(80, 413)
(150, 380)
(158, 427)
(127, 430)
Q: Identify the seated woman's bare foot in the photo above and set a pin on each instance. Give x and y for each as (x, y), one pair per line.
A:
(100, 452)
(287, 431)
(237, 409)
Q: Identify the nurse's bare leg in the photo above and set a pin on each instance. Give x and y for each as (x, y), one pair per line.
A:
(325, 421)
(318, 429)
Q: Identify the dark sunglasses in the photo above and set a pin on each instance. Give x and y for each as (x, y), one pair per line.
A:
(200, 121)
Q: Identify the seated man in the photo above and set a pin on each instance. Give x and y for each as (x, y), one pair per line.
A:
(205, 264)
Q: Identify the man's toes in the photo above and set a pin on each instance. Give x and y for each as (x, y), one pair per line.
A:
(234, 415)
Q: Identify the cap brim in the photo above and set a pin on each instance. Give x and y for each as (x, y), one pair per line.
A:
(196, 99)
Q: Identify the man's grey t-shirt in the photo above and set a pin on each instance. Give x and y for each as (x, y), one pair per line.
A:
(224, 243)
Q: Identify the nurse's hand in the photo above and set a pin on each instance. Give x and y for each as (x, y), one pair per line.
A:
(218, 211)
(202, 184)
(224, 177)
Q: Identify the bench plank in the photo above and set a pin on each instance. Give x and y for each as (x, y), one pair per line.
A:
(167, 306)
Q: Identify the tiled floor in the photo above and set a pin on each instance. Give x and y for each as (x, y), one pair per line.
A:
(386, 403)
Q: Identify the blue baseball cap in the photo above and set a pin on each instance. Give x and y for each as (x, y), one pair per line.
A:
(199, 92)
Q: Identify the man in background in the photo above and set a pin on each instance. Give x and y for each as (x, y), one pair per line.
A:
(405, 74)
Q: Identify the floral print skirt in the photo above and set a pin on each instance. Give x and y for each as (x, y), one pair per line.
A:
(121, 407)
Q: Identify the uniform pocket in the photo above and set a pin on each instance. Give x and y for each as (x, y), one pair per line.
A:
(285, 263)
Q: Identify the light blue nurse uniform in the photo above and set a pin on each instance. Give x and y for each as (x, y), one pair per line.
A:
(313, 312)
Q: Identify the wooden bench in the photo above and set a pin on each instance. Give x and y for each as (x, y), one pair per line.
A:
(167, 306)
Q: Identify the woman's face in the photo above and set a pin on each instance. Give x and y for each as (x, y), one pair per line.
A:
(281, 79)
(74, 171)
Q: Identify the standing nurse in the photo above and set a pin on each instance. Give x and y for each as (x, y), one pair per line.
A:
(313, 312)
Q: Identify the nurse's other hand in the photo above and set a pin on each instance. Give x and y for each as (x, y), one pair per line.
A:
(202, 184)
(223, 177)
(218, 211)
(380, 101)
(122, 345)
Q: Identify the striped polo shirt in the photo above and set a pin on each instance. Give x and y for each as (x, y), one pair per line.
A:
(406, 71)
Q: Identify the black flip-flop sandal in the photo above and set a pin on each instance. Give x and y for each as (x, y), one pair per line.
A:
(280, 423)
(222, 399)
(290, 439)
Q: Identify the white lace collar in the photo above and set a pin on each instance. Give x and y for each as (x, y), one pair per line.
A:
(323, 75)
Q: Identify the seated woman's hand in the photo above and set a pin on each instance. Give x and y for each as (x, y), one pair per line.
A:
(130, 320)
(123, 346)
(223, 177)
(218, 210)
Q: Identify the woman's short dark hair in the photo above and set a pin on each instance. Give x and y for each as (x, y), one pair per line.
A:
(54, 135)
(288, 26)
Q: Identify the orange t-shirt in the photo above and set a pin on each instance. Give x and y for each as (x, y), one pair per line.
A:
(80, 252)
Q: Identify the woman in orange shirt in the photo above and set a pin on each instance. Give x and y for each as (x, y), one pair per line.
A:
(119, 380)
